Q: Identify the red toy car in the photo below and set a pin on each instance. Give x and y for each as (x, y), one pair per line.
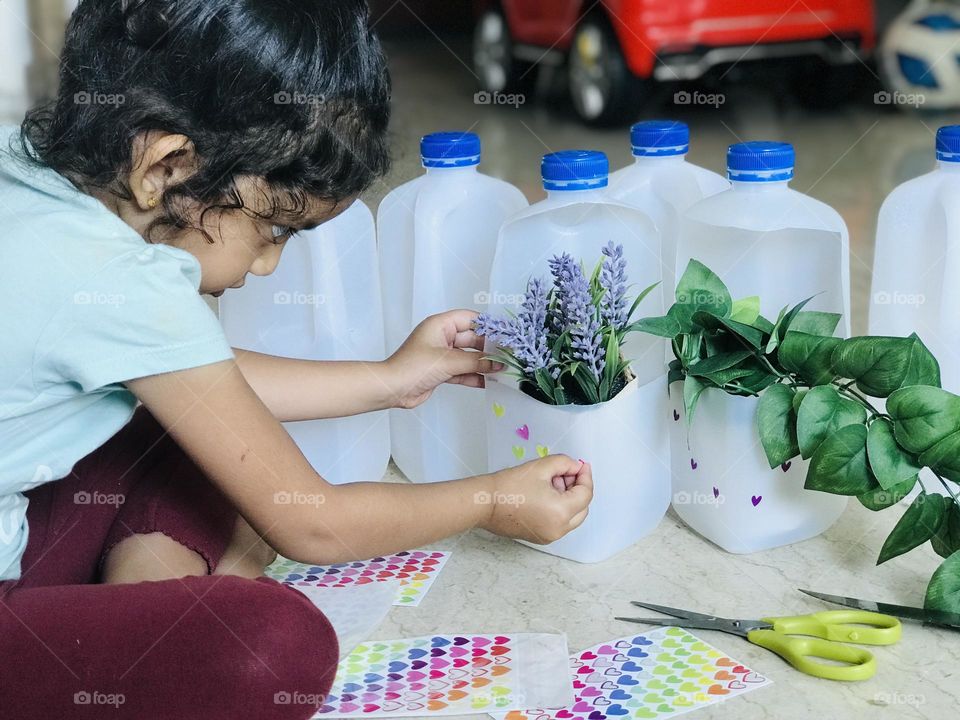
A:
(615, 48)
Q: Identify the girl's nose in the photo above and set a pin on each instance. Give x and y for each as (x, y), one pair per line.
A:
(267, 262)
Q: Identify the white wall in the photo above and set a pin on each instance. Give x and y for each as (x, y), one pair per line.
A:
(15, 55)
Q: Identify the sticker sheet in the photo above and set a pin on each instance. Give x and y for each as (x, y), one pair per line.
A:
(415, 569)
(659, 674)
(450, 675)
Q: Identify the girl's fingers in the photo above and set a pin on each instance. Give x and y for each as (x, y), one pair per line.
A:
(559, 465)
(468, 340)
(474, 381)
(558, 484)
(462, 320)
(467, 362)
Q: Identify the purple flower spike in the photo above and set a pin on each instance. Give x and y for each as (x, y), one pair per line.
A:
(576, 311)
(526, 334)
(613, 280)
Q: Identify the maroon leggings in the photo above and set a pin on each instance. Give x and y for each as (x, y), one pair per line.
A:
(206, 647)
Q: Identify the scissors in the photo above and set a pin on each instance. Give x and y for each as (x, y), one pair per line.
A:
(826, 632)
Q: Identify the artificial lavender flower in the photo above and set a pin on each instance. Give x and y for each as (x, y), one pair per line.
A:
(575, 309)
(613, 280)
(526, 334)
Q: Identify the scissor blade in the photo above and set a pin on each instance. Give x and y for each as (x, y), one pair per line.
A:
(675, 612)
(932, 617)
(694, 624)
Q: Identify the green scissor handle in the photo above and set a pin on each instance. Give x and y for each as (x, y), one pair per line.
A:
(850, 626)
(800, 651)
(827, 631)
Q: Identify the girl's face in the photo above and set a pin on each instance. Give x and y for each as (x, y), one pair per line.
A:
(244, 243)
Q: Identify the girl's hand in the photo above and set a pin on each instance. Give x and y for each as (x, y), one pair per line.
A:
(539, 501)
(441, 349)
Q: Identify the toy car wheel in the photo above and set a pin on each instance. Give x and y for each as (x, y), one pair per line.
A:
(493, 60)
(603, 89)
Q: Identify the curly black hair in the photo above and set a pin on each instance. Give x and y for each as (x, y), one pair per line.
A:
(292, 91)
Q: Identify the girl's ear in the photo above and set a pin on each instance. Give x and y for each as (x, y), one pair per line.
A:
(160, 160)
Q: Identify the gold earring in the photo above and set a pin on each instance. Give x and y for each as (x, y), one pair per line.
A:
(152, 203)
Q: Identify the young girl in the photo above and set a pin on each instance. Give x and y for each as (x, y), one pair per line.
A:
(190, 140)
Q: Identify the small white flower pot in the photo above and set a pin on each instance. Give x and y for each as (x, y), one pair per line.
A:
(626, 442)
(723, 487)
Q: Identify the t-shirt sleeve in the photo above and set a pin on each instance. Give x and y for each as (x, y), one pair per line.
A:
(140, 315)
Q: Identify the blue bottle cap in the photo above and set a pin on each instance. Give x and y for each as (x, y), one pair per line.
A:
(658, 138)
(575, 170)
(450, 149)
(760, 161)
(948, 143)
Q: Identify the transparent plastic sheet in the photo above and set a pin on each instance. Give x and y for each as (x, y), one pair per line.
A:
(354, 611)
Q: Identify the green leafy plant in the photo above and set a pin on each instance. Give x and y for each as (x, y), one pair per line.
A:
(818, 400)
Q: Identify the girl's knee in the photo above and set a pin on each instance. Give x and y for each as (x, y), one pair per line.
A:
(288, 649)
(151, 556)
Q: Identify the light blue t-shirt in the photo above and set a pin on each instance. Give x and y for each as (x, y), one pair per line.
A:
(85, 304)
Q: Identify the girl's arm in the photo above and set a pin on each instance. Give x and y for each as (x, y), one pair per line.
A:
(442, 349)
(312, 389)
(219, 421)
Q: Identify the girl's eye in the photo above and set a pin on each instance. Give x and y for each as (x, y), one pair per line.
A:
(281, 231)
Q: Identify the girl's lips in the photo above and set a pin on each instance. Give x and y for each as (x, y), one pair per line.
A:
(218, 293)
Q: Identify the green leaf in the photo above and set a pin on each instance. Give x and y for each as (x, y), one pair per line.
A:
(814, 322)
(587, 384)
(944, 457)
(808, 356)
(559, 396)
(787, 323)
(763, 325)
(756, 382)
(612, 359)
(715, 363)
(822, 413)
(544, 382)
(777, 424)
(675, 373)
(746, 310)
(882, 365)
(665, 326)
(839, 465)
(747, 334)
(943, 592)
(919, 523)
(640, 298)
(798, 397)
(700, 288)
(923, 416)
(722, 377)
(946, 541)
(889, 462)
(774, 340)
(784, 321)
(692, 389)
(880, 499)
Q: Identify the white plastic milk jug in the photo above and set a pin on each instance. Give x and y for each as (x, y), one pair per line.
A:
(663, 184)
(762, 238)
(437, 236)
(625, 439)
(917, 260)
(322, 303)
